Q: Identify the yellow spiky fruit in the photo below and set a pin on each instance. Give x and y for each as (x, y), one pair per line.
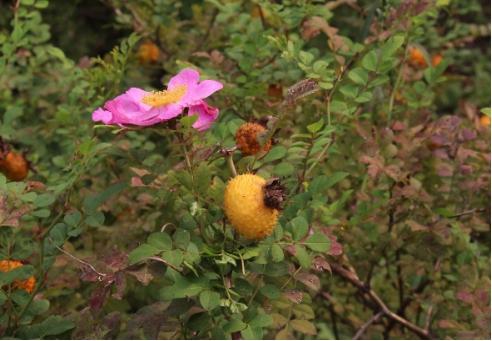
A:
(245, 207)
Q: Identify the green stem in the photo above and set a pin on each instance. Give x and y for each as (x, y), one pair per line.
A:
(397, 82)
(230, 163)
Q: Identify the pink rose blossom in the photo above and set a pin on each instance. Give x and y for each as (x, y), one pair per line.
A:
(206, 115)
(142, 108)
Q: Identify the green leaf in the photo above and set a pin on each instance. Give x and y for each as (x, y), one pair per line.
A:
(275, 153)
(299, 227)
(95, 219)
(251, 333)
(53, 325)
(251, 252)
(302, 256)
(142, 252)
(72, 218)
(485, 111)
(370, 61)
(160, 240)
(364, 97)
(313, 128)
(261, 321)
(270, 291)
(44, 200)
(318, 242)
(392, 45)
(183, 287)
(173, 257)
(283, 169)
(320, 66)
(277, 253)
(359, 76)
(303, 326)
(306, 57)
(20, 273)
(182, 238)
(209, 299)
(94, 201)
(234, 325)
(324, 182)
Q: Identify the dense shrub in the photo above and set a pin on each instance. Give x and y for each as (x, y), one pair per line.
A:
(378, 119)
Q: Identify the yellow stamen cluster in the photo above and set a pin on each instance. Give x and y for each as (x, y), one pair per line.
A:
(164, 97)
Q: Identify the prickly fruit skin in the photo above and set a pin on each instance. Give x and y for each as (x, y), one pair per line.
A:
(247, 139)
(28, 284)
(245, 208)
(14, 166)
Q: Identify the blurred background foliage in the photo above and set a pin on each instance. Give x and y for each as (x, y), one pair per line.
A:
(386, 158)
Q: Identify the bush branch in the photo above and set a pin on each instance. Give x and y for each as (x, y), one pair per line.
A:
(351, 276)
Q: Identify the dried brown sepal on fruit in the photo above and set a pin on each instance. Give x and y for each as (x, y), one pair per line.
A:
(274, 194)
(247, 139)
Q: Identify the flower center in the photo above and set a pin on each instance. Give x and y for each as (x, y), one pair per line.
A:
(164, 97)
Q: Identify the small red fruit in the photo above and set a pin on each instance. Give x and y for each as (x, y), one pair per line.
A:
(14, 166)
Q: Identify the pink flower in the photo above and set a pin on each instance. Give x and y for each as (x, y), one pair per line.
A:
(206, 115)
(142, 108)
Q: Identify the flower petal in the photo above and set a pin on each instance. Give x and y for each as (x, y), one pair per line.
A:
(188, 77)
(102, 115)
(206, 88)
(206, 115)
(170, 111)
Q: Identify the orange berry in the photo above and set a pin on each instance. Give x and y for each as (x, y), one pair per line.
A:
(436, 59)
(14, 166)
(247, 139)
(484, 121)
(148, 52)
(416, 57)
(28, 284)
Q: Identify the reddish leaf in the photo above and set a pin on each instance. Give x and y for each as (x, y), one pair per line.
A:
(309, 280)
(294, 296)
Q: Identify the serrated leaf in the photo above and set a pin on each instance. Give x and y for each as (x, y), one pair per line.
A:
(303, 256)
(299, 227)
(277, 253)
(370, 60)
(160, 240)
(53, 325)
(209, 299)
(318, 242)
(275, 153)
(270, 291)
(234, 325)
(359, 76)
(303, 326)
(142, 252)
(316, 126)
